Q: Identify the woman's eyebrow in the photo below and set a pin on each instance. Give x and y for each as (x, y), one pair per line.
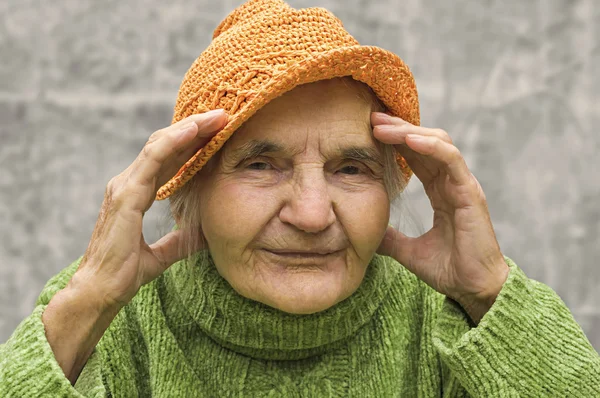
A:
(254, 148)
(368, 154)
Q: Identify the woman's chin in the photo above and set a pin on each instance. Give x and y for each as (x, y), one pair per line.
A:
(299, 291)
(298, 285)
(304, 304)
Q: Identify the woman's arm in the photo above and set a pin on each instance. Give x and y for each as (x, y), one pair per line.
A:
(526, 342)
(118, 261)
(75, 320)
(526, 345)
(27, 364)
(116, 264)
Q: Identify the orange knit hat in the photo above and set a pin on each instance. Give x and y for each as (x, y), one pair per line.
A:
(265, 48)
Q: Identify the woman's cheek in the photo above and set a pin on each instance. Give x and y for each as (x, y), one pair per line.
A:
(238, 211)
(365, 215)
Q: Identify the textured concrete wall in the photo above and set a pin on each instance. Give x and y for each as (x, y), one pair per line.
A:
(83, 84)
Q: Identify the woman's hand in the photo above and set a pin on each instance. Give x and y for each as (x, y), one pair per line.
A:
(118, 261)
(459, 256)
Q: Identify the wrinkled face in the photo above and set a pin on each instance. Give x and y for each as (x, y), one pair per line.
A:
(295, 206)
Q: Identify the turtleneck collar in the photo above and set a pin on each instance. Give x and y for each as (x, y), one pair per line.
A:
(257, 330)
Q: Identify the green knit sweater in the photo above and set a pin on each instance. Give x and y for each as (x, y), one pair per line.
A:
(189, 334)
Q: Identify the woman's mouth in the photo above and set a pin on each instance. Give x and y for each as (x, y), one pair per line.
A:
(318, 255)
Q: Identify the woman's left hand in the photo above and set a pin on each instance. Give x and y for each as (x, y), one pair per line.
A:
(459, 256)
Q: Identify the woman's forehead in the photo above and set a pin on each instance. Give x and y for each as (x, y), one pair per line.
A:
(330, 112)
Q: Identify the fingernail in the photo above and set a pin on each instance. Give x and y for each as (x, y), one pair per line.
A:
(214, 113)
(383, 115)
(385, 127)
(388, 117)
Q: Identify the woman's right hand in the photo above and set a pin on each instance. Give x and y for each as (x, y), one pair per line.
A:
(118, 261)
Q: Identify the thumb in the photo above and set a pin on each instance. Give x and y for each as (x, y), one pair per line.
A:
(398, 246)
(177, 245)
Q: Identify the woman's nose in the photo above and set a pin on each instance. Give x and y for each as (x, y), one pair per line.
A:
(309, 207)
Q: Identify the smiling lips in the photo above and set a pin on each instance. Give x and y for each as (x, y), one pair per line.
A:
(303, 254)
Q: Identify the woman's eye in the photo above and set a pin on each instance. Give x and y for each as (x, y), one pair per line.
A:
(259, 166)
(352, 170)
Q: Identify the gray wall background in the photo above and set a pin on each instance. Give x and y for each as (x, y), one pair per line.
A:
(516, 83)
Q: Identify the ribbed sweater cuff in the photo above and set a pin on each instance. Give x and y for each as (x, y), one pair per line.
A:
(528, 344)
(28, 367)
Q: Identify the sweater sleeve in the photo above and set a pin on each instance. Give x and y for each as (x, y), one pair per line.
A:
(28, 367)
(526, 345)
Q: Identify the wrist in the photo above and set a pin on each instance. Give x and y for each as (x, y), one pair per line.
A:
(477, 305)
(90, 293)
(476, 309)
(84, 296)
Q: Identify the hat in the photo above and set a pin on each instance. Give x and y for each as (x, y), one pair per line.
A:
(264, 49)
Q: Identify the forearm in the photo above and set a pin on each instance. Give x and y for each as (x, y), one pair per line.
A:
(527, 344)
(74, 324)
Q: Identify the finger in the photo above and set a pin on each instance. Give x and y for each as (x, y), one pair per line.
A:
(378, 118)
(398, 246)
(395, 133)
(447, 154)
(393, 130)
(424, 170)
(173, 166)
(197, 118)
(161, 158)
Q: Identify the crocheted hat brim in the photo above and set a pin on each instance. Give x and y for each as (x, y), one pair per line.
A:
(382, 70)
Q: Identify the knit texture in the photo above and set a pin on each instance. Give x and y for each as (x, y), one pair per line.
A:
(265, 48)
(189, 333)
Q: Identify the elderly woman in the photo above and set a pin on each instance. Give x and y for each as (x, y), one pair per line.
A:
(282, 277)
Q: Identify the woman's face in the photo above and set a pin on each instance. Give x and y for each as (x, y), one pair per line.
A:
(294, 207)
